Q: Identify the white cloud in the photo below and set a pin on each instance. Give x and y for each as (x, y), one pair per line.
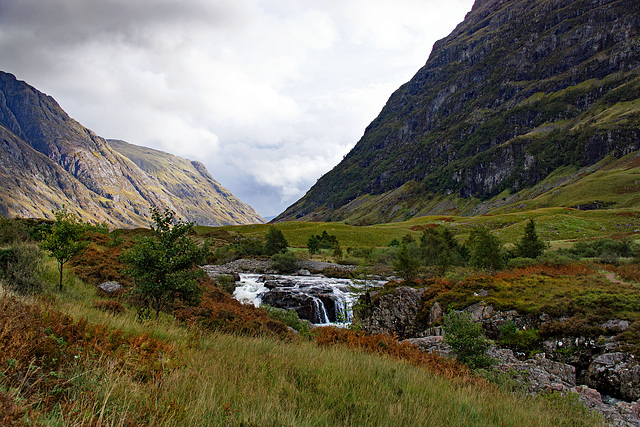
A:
(269, 94)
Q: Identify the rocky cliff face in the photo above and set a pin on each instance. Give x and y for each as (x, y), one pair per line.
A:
(517, 90)
(49, 160)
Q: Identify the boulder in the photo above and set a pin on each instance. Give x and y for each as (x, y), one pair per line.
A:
(110, 288)
(431, 344)
(395, 312)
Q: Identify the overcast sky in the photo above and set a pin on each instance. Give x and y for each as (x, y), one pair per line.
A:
(268, 94)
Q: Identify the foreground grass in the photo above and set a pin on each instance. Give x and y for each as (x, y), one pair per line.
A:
(131, 373)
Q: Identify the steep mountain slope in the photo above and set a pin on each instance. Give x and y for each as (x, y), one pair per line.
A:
(189, 184)
(519, 89)
(49, 159)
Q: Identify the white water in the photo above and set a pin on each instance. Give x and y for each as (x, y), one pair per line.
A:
(250, 288)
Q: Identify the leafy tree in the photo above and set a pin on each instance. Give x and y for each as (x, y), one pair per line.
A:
(63, 241)
(313, 244)
(467, 340)
(485, 249)
(164, 264)
(530, 246)
(440, 248)
(275, 242)
(327, 241)
(406, 263)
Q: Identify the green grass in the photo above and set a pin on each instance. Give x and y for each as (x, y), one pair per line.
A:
(556, 225)
(209, 378)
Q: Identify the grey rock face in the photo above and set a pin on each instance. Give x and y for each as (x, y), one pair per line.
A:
(615, 374)
(395, 312)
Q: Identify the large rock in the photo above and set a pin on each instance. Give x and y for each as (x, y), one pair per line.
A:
(395, 312)
(538, 374)
(615, 374)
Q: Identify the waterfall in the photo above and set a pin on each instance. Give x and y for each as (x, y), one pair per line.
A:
(321, 311)
(308, 295)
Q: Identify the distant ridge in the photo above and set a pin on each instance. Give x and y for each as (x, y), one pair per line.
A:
(48, 160)
(519, 91)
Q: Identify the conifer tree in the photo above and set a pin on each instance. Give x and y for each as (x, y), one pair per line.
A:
(530, 246)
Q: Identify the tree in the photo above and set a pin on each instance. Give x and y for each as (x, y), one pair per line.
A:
(407, 263)
(440, 248)
(313, 244)
(275, 242)
(63, 241)
(485, 250)
(530, 246)
(164, 265)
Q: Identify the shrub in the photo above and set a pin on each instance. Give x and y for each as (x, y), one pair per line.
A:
(524, 340)
(13, 231)
(227, 282)
(284, 262)
(21, 268)
(289, 318)
(467, 340)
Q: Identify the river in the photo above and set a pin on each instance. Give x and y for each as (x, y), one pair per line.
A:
(318, 299)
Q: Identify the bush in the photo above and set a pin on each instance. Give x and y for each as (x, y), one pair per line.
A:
(227, 282)
(284, 262)
(524, 340)
(13, 231)
(289, 318)
(467, 340)
(21, 268)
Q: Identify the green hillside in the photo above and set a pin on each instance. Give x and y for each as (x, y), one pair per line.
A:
(517, 93)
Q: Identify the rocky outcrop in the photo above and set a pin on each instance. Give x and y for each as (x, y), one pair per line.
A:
(615, 374)
(393, 312)
(48, 160)
(587, 366)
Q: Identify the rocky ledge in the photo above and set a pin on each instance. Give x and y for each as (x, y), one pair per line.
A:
(604, 375)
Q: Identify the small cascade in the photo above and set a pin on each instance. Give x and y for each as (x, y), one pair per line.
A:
(318, 299)
(320, 312)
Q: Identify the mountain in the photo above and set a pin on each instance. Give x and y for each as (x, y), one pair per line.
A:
(190, 186)
(519, 92)
(48, 160)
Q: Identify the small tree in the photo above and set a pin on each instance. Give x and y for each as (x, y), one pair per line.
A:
(275, 242)
(313, 244)
(407, 263)
(530, 246)
(63, 241)
(164, 265)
